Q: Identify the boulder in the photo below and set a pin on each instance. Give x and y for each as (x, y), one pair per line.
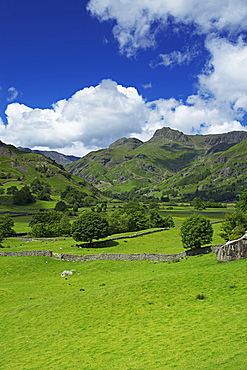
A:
(65, 273)
(233, 250)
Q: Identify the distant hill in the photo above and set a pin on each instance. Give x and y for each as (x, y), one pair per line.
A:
(25, 167)
(170, 162)
(57, 157)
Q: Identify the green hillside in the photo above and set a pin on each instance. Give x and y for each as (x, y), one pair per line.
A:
(18, 168)
(169, 160)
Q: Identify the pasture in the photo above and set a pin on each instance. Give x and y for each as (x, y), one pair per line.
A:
(123, 315)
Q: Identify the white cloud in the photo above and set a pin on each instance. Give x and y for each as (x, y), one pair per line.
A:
(13, 93)
(137, 22)
(174, 58)
(147, 86)
(221, 101)
(92, 118)
(225, 76)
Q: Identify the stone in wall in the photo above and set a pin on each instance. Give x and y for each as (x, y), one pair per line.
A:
(233, 250)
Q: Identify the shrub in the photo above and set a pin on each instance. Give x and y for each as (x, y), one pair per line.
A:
(196, 230)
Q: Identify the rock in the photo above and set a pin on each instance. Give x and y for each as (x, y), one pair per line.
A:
(65, 273)
(233, 250)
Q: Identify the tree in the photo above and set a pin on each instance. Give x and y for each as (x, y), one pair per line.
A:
(234, 226)
(6, 224)
(242, 204)
(49, 224)
(156, 220)
(41, 189)
(89, 225)
(118, 222)
(23, 196)
(196, 231)
(198, 203)
(60, 206)
(12, 189)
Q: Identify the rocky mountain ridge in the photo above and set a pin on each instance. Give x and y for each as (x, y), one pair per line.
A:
(166, 160)
(59, 158)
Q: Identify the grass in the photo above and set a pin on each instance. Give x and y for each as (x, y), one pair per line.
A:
(123, 315)
(167, 242)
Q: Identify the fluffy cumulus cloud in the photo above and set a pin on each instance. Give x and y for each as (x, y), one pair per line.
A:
(90, 119)
(225, 76)
(96, 116)
(221, 100)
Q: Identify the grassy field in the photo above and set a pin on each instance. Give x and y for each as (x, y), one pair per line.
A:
(123, 315)
(168, 241)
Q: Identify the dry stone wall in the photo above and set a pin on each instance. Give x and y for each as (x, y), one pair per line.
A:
(111, 256)
(26, 254)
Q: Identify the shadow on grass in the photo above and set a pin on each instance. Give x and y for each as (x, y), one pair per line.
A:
(101, 244)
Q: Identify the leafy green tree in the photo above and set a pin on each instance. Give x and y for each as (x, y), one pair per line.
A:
(61, 206)
(234, 226)
(49, 224)
(138, 221)
(6, 226)
(41, 189)
(89, 225)
(156, 220)
(12, 189)
(118, 222)
(75, 207)
(198, 203)
(72, 195)
(89, 201)
(196, 231)
(43, 195)
(23, 196)
(168, 221)
(242, 204)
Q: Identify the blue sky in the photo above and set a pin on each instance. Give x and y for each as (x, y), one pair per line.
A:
(76, 75)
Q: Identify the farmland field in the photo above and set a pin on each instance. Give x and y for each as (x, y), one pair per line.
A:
(123, 315)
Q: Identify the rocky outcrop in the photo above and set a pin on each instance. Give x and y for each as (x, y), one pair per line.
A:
(233, 250)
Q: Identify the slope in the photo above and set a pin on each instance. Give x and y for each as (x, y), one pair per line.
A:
(16, 165)
(169, 159)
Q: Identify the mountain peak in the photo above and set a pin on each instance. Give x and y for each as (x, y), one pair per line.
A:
(170, 134)
(123, 141)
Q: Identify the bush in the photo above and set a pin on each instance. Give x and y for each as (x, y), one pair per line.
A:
(196, 231)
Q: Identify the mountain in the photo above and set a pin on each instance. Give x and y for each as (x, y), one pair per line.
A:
(57, 157)
(170, 162)
(17, 165)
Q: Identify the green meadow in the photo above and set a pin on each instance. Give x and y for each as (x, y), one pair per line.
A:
(166, 242)
(123, 315)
